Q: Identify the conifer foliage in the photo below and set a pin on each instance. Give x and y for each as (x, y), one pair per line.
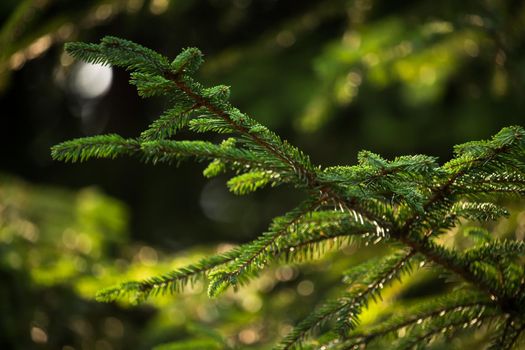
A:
(407, 203)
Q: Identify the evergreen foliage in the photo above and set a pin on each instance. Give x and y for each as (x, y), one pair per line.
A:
(408, 203)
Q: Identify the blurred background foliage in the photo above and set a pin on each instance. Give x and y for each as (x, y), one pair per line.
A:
(333, 77)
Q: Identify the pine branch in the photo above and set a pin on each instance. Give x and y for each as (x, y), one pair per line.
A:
(394, 181)
(257, 254)
(103, 146)
(120, 53)
(169, 283)
(470, 157)
(500, 341)
(417, 316)
(478, 211)
(167, 151)
(300, 229)
(168, 124)
(253, 131)
(496, 250)
(502, 152)
(453, 262)
(453, 324)
(507, 336)
(304, 242)
(409, 200)
(325, 229)
(504, 183)
(315, 247)
(251, 181)
(374, 277)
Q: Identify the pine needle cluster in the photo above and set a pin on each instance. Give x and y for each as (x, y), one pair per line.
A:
(407, 203)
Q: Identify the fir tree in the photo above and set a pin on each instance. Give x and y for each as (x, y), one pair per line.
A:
(407, 203)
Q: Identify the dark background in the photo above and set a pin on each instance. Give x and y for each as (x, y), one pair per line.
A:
(333, 77)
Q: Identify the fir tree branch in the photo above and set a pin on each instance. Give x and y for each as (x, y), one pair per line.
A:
(257, 254)
(120, 52)
(508, 183)
(347, 308)
(409, 200)
(102, 146)
(485, 211)
(176, 280)
(507, 140)
(501, 339)
(302, 171)
(169, 151)
(508, 337)
(314, 247)
(517, 334)
(452, 303)
(168, 123)
(171, 282)
(437, 326)
(332, 229)
(297, 229)
(496, 250)
(453, 263)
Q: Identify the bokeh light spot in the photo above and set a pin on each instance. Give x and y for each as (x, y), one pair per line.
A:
(103, 344)
(284, 273)
(248, 336)
(39, 46)
(158, 7)
(305, 288)
(251, 303)
(38, 335)
(471, 48)
(148, 256)
(285, 38)
(103, 12)
(92, 80)
(113, 327)
(17, 61)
